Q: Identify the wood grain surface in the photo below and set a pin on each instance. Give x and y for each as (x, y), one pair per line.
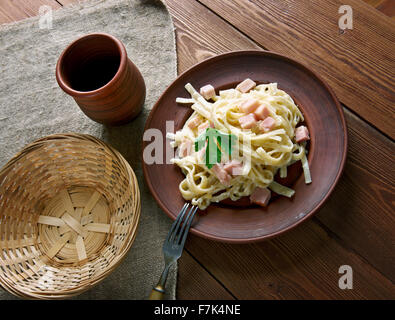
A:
(387, 7)
(195, 282)
(360, 214)
(356, 225)
(15, 10)
(358, 64)
(196, 36)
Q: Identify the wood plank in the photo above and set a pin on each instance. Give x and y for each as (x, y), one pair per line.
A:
(58, 245)
(52, 221)
(361, 210)
(16, 10)
(387, 7)
(358, 64)
(98, 227)
(374, 3)
(68, 2)
(80, 247)
(301, 264)
(379, 4)
(194, 282)
(198, 34)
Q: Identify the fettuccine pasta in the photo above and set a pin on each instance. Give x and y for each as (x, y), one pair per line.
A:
(262, 119)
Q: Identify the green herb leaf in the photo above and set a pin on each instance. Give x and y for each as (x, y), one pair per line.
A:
(215, 142)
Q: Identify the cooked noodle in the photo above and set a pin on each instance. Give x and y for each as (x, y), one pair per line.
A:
(261, 153)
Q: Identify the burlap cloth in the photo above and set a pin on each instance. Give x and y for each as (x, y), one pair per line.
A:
(32, 106)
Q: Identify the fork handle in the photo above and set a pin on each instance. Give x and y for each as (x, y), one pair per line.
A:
(157, 293)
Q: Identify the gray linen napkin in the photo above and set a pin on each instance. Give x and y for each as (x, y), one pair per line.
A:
(33, 106)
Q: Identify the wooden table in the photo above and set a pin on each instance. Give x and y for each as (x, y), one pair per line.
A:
(356, 226)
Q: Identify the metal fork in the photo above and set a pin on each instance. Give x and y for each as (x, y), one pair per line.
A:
(173, 247)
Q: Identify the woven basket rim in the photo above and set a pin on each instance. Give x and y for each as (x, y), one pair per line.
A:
(126, 244)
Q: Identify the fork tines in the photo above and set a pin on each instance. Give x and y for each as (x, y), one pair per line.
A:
(179, 230)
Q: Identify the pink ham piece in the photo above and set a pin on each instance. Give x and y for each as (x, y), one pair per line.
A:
(202, 154)
(221, 174)
(267, 124)
(208, 92)
(301, 134)
(248, 121)
(234, 167)
(262, 112)
(246, 85)
(204, 126)
(194, 123)
(260, 196)
(185, 148)
(249, 106)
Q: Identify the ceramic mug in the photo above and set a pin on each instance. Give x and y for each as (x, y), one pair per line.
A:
(96, 71)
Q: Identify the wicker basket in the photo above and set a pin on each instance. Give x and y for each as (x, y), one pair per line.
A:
(69, 209)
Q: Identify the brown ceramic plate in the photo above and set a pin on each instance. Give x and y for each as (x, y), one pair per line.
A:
(242, 222)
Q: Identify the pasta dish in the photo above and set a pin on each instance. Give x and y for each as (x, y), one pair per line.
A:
(234, 143)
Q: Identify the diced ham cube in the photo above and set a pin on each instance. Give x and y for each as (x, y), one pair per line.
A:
(204, 126)
(260, 196)
(302, 134)
(246, 85)
(202, 154)
(262, 112)
(267, 124)
(249, 106)
(221, 174)
(248, 121)
(185, 148)
(234, 167)
(194, 123)
(208, 92)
